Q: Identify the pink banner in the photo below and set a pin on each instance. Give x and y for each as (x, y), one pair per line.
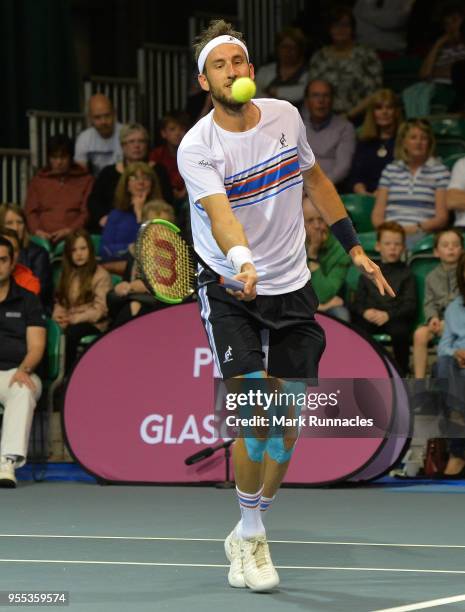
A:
(141, 400)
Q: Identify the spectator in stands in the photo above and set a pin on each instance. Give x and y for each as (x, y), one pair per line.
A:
(382, 314)
(331, 137)
(412, 189)
(440, 289)
(353, 70)
(451, 369)
(99, 145)
(173, 127)
(131, 298)
(382, 25)
(80, 308)
(328, 262)
(22, 341)
(286, 78)
(22, 275)
(138, 184)
(455, 194)
(135, 145)
(375, 146)
(56, 201)
(31, 254)
(448, 49)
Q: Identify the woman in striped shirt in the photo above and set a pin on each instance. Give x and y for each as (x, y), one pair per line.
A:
(412, 189)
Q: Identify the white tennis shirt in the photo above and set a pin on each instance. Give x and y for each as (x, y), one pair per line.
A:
(260, 172)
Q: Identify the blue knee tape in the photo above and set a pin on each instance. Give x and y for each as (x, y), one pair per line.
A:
(255, 448)
(275, 446)
(256, 374)
(277, 451)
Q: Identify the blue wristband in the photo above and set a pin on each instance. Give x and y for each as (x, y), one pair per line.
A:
(345, 233)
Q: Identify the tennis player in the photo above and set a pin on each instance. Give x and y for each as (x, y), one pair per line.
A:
(245, 165)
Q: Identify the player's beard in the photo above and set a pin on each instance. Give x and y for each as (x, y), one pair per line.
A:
(228, 104)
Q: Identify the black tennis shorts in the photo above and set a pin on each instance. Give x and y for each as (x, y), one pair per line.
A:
(238, 332)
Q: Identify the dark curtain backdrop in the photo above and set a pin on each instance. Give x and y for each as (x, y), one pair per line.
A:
(37, 63)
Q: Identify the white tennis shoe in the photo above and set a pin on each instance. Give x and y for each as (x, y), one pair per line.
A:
(259, 572)
(232, 548)
(7, 474)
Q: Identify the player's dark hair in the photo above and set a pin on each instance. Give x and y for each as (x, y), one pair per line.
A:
(454, 230)
(390, 226)
(6, 243)
(217, 27)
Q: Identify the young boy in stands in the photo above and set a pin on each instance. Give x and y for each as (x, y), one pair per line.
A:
(173, 129)
(440, 289)
(382, 314)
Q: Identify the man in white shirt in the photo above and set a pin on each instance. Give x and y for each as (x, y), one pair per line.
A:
(455, 194)
(244, 165)
(99, 145)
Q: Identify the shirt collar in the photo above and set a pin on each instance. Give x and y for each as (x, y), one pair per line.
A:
(320, 126)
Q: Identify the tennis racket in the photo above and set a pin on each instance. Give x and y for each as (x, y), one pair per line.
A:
(167, 264)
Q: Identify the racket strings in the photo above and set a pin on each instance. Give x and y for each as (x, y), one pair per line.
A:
(167, 262)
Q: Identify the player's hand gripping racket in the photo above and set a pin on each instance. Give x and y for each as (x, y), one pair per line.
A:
(166, 262)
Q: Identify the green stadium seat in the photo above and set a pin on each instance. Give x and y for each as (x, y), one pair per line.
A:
(421, 267)
(424, 246)
(359, 208)
(448, 126)
(450, 160)
(384, 339)
(400, 72)
(350, 284)
(446, 147)
(43, 242)
(368, 241)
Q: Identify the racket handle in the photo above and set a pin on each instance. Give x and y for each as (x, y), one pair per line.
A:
(231, 283)
(203, 454)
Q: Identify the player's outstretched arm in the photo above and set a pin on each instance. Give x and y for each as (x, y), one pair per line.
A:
(229, 234)
(325, 198)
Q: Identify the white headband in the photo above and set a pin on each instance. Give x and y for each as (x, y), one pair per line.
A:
(219, 40)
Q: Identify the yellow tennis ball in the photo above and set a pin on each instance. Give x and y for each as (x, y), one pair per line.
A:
(243, 89)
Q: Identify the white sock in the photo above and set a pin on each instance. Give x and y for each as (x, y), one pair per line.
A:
(265, 503)
(250, 524)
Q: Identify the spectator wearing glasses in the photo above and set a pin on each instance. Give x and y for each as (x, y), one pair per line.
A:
(331, 137)
(353, 70)
(135, 146)
(138, 184)
(286, 78)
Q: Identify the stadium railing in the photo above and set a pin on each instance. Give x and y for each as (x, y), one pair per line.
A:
(163, 73)
(15, 168)
(123, 92)
(43, 124)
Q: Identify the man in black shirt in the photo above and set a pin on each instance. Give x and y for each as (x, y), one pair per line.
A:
(22, 342)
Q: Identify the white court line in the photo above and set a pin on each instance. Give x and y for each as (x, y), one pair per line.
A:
(174, 539)
(290, 567)
(422, 605)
